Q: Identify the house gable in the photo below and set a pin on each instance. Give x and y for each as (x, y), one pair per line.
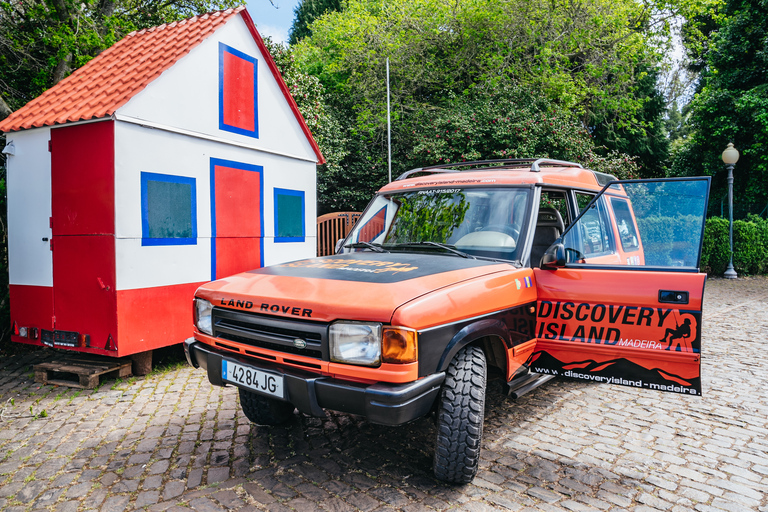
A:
(226, 89)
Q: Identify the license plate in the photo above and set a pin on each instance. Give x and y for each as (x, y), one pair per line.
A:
(262, 382)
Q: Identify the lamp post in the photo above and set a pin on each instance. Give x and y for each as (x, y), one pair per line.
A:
(730, 157)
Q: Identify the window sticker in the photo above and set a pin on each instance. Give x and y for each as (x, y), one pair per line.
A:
(168, 210)
(289, 215)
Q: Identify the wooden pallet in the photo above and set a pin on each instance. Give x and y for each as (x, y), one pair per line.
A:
(81, 371)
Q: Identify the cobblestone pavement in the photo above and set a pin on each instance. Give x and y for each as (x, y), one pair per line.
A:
(171, 441)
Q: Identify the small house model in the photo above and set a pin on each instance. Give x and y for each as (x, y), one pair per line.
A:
(173, 158)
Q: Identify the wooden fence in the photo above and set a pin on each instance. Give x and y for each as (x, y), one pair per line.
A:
(332, 227)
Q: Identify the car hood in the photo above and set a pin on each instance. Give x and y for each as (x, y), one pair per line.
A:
(364, 286)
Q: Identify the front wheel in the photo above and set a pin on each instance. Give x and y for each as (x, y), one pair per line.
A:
(460, 417)
(264, 411)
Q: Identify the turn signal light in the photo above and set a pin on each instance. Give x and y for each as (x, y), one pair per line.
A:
(398, 345)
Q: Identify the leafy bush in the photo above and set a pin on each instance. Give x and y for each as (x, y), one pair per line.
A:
(750, 246)
(715, 253)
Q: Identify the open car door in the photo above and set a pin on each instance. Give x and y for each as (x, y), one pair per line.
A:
(620, 293)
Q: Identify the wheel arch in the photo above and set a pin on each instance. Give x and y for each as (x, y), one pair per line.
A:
(492, 336)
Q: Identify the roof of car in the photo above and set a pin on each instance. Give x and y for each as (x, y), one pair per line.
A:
(503, 172)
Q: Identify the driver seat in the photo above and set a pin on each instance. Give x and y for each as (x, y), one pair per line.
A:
(549, 227)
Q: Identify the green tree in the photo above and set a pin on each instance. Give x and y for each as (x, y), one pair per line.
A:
(326, 127)
(462, 65)
(732, 105)
(305, 13)
(646, 136)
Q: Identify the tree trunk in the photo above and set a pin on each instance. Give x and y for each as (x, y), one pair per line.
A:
(5, 110)
(62, 68)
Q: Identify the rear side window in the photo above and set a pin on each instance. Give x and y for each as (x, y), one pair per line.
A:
(625, 224)
(594, 228)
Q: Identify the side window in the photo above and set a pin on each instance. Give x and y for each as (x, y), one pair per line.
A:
(660, 222)
(594, 235)
(625, 225)
(555, 199)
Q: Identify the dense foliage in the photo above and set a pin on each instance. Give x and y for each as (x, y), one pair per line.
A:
(728, 42)
(750, 246)
(305, 13)
(476, 79)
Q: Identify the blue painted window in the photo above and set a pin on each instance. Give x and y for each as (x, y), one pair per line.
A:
(289, 215)
(168, 210)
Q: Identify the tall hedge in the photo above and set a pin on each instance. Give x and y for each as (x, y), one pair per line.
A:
(750, 246)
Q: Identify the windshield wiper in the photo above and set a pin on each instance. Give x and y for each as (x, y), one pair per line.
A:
(367, 245)
(438, 245)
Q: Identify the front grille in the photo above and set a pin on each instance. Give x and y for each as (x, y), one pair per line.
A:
(271, 333)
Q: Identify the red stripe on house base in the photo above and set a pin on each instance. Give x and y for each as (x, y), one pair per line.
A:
(150, 318)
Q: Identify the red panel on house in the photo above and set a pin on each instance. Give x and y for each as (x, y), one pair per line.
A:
(84, 287)
(82, 179)
(31, 306)
(239, 105)
(235, 255)
(150, 318)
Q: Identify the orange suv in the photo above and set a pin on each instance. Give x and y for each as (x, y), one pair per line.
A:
(531, 268)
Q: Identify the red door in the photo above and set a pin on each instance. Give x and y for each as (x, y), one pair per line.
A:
(83, 242)
(236, 197)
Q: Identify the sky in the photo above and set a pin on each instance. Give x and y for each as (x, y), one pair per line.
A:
(272, 20)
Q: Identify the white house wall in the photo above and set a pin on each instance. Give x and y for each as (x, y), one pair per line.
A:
(139, 149)
(186, 97)
(29, 208)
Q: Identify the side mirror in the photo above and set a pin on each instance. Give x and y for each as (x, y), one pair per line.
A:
(338, 245)
(554, 257)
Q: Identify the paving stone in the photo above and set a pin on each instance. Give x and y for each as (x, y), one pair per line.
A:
(564, 446)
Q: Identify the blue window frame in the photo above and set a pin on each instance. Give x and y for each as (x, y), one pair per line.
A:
(168, 210)
(289, 215)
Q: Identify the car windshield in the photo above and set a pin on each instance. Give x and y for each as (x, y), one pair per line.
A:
(474, 222)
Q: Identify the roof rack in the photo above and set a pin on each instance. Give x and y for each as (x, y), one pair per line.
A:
(535, 164)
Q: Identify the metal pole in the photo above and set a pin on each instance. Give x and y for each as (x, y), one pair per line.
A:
(389, 131)
(730, 273)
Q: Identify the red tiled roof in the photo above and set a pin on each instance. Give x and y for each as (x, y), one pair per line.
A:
(113, 77)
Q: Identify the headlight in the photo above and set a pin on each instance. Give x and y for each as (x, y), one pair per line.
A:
(355, 343)
(203, 316)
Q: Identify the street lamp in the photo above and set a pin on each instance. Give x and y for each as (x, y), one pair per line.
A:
(730, 157)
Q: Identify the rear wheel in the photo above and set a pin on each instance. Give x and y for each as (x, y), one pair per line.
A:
(460, 417)
(265, 411)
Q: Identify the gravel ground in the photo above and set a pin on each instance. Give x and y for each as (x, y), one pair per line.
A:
(171, 441)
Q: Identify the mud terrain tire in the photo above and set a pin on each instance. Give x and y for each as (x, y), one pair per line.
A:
(460, 417)
(264, 411)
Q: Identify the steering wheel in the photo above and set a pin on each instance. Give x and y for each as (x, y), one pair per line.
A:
(507, 229)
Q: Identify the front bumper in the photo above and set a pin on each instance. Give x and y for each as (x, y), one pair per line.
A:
(382, 403)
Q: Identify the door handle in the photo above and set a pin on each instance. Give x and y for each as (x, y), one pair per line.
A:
(673, 297)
